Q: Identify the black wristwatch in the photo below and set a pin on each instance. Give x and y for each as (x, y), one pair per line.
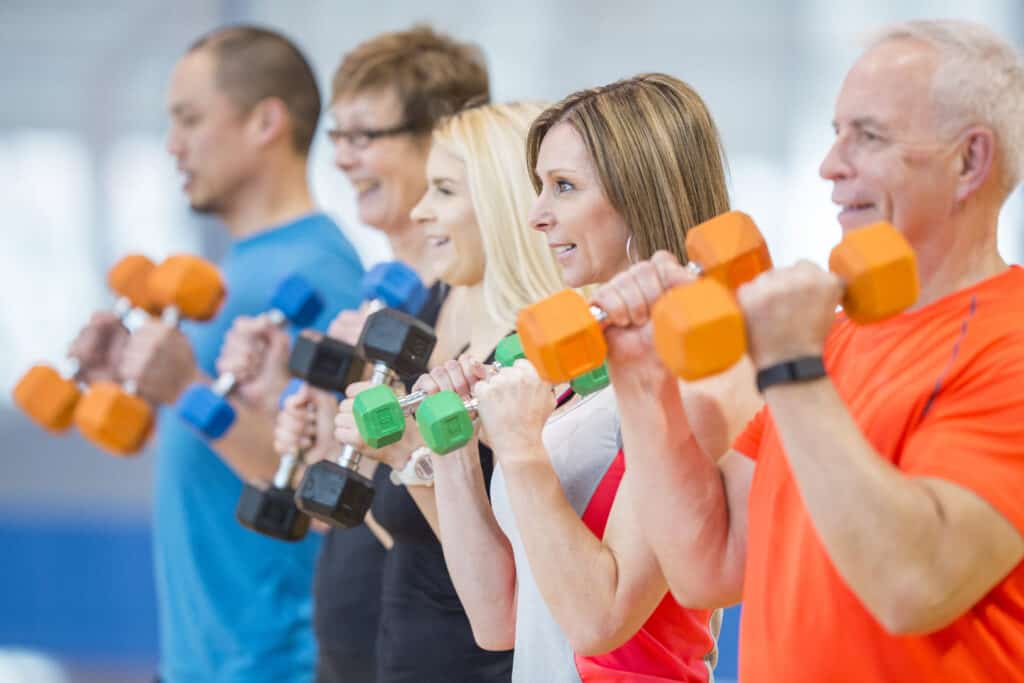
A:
(803, 369)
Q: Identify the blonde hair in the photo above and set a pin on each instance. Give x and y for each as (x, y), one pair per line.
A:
(980, 79)
(657, 153)
(520, 268)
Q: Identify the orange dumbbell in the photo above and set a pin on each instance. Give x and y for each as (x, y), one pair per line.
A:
(115, 417)
(47, 396)
(699, 328)
(563, 336)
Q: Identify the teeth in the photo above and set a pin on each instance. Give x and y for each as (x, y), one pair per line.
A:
(564, 249)
(437, 240)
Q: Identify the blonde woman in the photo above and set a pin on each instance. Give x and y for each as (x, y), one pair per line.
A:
(558, 567)
(474, 218)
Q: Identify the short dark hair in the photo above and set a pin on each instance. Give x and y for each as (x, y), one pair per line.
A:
(254, 64)
(433, 75)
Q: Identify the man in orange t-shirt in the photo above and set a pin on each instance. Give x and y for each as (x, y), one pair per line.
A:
(872, 515)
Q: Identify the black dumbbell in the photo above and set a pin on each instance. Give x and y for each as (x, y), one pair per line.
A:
(335, 492)
(324, 362)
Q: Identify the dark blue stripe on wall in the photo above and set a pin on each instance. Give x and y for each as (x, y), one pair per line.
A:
(81, 591)
(84, 591)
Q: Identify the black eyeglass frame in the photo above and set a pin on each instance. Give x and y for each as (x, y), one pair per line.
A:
(361, 138)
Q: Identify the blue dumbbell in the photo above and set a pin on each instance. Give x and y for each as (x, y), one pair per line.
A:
(393, 284)
(206, 407)
(330, 364)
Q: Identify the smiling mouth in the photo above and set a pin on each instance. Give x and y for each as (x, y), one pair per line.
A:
(563, 249)
(364, 187)
(852, 208)
(438, 240)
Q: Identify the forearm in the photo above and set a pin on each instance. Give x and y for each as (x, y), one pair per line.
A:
(247, 447)
(478, 555)
(679, 492)
(580, 577)
(884, 532)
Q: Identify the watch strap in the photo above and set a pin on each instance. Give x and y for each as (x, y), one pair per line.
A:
(802, 369)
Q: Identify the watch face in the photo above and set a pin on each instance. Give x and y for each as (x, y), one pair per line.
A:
(424, 468)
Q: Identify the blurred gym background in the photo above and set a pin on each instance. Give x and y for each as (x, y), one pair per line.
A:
(84, 178)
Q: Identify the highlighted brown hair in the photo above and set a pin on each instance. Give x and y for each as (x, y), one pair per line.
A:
(657, 153)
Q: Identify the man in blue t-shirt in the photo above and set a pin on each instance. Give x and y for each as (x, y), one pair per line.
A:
(236, 606)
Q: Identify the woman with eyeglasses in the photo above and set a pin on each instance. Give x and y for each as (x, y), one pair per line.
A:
(392, 616)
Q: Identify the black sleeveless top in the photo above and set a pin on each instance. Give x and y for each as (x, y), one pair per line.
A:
(394, 616)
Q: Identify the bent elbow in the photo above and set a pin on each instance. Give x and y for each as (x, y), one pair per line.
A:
(494, 640)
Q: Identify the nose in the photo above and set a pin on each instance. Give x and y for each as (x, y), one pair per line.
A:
(345, 157)
(540, 217)
(174, 144)
(422, 212)
(836, 166)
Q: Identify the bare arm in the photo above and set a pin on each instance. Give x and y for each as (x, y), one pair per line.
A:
(692, 504)
(918, 552)
(476, 550)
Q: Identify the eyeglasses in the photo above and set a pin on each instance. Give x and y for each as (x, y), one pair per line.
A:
(361, 139)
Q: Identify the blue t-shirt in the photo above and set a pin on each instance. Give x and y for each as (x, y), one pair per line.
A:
(235, 606)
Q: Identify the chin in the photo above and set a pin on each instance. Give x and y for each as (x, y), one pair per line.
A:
(203, 206)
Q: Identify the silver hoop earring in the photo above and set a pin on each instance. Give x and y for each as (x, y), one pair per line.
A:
(629, 256)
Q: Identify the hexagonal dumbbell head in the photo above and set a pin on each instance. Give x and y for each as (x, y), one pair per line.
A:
(129, 278)
(188, 284)
(379, 416)
(879, 269)
(205, 410)
(114, 420)
(445, 422)
(334, 494)
(508, 351)
(729, 248)
(699, 329)
(590, 382)
(47, 397)
(398, 340)
(272, 512)
(396, 285)
(324, 362)
(561, 337)
(296, 301)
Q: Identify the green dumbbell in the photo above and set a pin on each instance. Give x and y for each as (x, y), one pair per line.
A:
(446, 421)
(592, 381)
(380, 414)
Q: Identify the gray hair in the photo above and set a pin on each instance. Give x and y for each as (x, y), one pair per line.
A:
(979, 80)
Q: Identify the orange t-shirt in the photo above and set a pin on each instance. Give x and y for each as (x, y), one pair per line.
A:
(939, 393)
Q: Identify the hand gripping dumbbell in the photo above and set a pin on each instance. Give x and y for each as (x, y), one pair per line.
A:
(49, 397)
(331, 364)
(445, 420)
(335, 492)
(380, 414)
(270, 509)
(563, 336)
(206, 407)
(113, 416)
(700, 333)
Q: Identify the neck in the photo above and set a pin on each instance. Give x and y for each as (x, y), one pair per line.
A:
(278, 195)
(469, 321)
(968, 255)
(407, 245)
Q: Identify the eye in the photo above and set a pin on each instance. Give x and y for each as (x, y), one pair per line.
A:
(866, 135)
(563, 186)
(444, 190)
